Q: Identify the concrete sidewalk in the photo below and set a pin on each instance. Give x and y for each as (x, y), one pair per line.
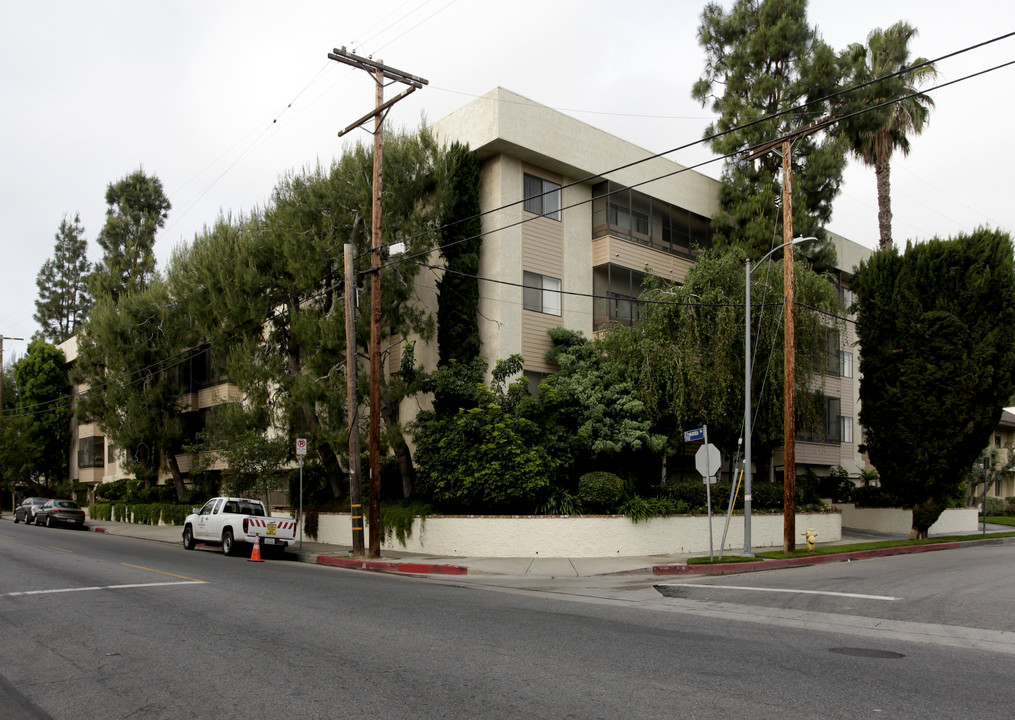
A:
(653, 565)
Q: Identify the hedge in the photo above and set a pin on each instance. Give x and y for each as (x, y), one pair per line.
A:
(140, 513)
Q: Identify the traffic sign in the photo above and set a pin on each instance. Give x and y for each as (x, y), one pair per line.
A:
(301, 446)
(707, 460)
(692, 435)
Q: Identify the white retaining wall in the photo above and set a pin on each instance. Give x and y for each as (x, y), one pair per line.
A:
(899, 521)
(583, 536)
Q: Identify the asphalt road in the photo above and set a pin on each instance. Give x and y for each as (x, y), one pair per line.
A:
(98, 626)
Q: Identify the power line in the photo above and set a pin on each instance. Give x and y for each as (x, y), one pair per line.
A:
(715, 136)
(682, 169)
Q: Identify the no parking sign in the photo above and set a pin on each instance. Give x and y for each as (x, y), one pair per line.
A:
(301, 446)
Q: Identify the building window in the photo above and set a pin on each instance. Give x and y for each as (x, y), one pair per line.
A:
(535, 379)
(541, 293)
(542, 197)
(846, 361)
(997, 441)
(629, 221)
(820, 421)
(847, 429)
(110, 454)
(831, 357)
(91, 451)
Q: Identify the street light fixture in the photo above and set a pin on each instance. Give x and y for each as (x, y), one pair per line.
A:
(748, 389)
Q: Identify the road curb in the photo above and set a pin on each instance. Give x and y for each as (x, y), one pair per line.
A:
(760, 565)
(386, 567)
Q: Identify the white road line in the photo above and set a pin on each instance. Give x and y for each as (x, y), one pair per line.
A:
(106, 587)
(783, 590)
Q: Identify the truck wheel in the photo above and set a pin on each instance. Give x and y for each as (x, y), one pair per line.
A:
(188, 538)
(228, 546)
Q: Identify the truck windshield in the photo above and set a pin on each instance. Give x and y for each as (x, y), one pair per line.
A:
(247, 508)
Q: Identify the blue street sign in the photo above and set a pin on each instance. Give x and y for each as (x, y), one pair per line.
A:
(692, 435)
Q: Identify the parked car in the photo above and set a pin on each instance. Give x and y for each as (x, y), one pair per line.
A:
(66, 512)
(27, 509)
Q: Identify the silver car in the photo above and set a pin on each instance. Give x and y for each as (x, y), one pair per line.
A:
(25, 512)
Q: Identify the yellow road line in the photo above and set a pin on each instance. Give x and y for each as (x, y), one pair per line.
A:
(54, 547)
(162, 572)
(6, 537)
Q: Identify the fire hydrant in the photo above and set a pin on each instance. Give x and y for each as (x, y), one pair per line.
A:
(811, 535)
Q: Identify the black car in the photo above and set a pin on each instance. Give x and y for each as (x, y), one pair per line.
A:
(66, 512)
(27, 509)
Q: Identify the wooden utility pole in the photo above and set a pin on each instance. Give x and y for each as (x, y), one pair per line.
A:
(788, 361)
(380, 73)
(789, 339)
(352, 395)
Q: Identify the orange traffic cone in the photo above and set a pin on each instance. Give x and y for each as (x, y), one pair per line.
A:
(255, 555)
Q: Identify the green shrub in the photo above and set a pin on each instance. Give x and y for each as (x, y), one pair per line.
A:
(1009, 506)
(141, 513)
(995, 506)
(145, 513)
(560, 502)
(175, 514)
(397, 519)
(639, 508)
(874, 497)
(602, 491)
(100, 511)
(311, 523)
(482, 459)
(837, 485)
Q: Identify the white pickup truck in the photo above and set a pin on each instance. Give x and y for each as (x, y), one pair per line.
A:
(230, 521)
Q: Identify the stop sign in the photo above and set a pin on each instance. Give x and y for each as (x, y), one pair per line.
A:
(707, 460)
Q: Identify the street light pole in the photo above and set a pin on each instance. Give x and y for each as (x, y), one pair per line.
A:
(748, 391)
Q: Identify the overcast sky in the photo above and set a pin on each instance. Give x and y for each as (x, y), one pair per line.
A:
(218, 98)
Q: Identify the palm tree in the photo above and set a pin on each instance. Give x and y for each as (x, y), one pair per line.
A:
(876, 134)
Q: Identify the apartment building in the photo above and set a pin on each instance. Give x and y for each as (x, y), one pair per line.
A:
(575, 218)
(94, 459)
(1002, 443)
(572, 227)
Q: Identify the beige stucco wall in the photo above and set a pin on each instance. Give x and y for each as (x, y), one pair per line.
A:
(503, 121)
(899, 521)
(583, 536)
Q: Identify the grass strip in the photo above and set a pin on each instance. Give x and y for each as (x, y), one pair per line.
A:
(851, 547)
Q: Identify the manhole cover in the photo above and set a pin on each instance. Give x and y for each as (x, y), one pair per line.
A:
(867, 653)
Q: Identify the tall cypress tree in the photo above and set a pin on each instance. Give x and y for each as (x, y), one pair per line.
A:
(64, 300)
(458, 289)
(936, 327)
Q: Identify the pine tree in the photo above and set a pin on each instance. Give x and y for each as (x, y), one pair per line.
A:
(64, 300)
(765, 59)
(137, 209)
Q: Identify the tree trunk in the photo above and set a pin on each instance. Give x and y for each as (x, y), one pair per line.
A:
(174, 468)
(882, 172)
(925, 514)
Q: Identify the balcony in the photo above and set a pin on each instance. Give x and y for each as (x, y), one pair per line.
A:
(629, 215)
